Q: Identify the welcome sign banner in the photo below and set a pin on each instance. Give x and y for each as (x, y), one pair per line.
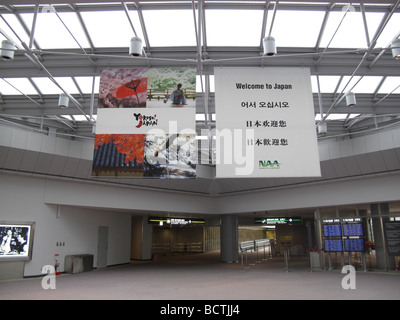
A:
(146, 123)
(265, 123)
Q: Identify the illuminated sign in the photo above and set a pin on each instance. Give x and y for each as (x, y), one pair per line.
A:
(280, 220)
(343, 234)
(175, 221)
(16, 241)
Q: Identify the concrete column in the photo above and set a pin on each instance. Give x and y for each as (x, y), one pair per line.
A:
(318, 227)
(229, 239)
(141, 239)
(309, 226)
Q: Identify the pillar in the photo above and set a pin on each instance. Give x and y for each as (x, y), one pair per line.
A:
(318, 228)
(141, 238)
(309, 226)
(229, 239)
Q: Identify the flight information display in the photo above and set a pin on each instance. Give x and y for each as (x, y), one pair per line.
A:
(333, 245)
(343, 234)
(354, 245)
(352, 229)
(332, 230)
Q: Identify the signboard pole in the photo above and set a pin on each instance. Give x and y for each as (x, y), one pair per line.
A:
(329, 261)
(383, 238)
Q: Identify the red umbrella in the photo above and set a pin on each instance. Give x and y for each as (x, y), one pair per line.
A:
(131, 88)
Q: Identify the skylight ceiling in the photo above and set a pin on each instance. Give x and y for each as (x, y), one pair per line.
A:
(108, 29)
(233, 27)
(51, 31)
(170, 28)
(351, 33)
(72, 42)
(303, 33)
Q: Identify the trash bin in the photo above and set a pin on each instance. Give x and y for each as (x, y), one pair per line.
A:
(317, 260)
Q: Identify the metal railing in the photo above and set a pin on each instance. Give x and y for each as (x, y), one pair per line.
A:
(289, 251)
(252, 247)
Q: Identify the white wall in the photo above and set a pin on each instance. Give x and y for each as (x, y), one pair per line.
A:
(22, 199)
(116, 197)
(379, 188)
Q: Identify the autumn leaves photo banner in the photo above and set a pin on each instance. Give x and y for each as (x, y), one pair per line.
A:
(146, 123)
(265, 123)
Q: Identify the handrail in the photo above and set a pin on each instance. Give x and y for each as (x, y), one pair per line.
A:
(246, 245)
(253, 246)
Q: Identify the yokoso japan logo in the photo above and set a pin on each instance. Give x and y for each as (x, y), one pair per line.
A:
(144, 120)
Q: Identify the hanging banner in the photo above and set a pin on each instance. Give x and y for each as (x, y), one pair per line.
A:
(146, 123)
(265, 123)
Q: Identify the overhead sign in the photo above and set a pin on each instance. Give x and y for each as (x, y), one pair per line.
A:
(278, 220)
(175, 221)
(265, 123)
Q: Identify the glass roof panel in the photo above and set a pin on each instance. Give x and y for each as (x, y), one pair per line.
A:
(6, 89)
(52, 33)
(390, 32)
(46, 86)
(22, 84)
(337, 116)
(327, 83)
(302, 33)
(170, 28)
(67, 84)
(16, 86)
(233, 27)
(108, 28)
(351, 33)
(85, 84)
(390, 84)
(16, 28)
(367, 84)
(347, 85)
(79, 117)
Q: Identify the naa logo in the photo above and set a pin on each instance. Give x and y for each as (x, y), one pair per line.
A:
(268, 164)
(144, 120)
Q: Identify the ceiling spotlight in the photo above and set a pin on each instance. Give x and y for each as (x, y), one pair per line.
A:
(396, 51)
(351, 99)
(322, 128)
(7, 50)
(63, 101)
(269, 46)
(136, 47)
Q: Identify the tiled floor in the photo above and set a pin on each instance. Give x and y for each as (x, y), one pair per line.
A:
(204, 277)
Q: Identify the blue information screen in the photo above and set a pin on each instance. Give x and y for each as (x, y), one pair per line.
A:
(332, 230)
(333, 245)
(353, 229)
(354, 245)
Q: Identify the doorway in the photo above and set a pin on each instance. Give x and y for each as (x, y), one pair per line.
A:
(102, 247)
